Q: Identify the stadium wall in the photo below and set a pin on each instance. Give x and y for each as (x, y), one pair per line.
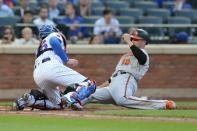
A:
(172, 73)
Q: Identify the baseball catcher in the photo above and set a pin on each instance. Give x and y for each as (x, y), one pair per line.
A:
(51, 71)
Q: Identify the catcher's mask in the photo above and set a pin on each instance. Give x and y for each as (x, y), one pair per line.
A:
(140, 34)
(45, 30)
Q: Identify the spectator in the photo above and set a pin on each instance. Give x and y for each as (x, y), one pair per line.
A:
(27, 17)
(84, 8)
(27, 20)
(5, 10)
(160, 2)
(180, 38)
(43, 18)
(23, 6)
(76, 32)
(9, 3)
(74, 2)
(96, 40)
(27, 37)
(8, 35)
(108, 27)
(53, 10)
(41, 2)
(181, 4)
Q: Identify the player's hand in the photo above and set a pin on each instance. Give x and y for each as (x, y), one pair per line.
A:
(73, 62)
(127, 38)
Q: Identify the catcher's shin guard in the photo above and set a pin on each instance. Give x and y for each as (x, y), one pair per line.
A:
(86, 91)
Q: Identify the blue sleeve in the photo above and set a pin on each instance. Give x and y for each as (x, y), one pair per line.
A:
(56, 45)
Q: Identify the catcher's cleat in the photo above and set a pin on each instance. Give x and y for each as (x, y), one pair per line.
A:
(20, 103)
(170, 105)
(16, 106)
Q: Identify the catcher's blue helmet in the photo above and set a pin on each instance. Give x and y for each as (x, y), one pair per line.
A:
(45, 30)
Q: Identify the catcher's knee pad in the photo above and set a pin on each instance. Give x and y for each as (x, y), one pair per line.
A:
(85, 91)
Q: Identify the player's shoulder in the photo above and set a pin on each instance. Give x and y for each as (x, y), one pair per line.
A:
(54, 34)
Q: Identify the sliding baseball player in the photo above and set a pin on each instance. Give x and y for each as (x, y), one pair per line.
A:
(122, 86)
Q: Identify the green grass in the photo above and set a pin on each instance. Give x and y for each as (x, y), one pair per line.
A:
(152, 113)
(57, 123)
(5, 103)
(41, 123)
(186, 104)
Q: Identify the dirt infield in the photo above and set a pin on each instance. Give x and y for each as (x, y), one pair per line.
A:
(91, 113)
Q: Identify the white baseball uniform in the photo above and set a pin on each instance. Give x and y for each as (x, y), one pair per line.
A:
(123, 85)
(50, 72)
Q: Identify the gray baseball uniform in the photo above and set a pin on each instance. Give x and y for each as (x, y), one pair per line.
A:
(123, 85)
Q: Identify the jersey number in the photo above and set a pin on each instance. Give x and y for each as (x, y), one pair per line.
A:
(126, 61)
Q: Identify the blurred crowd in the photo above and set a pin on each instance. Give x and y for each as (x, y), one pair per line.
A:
(31, 14)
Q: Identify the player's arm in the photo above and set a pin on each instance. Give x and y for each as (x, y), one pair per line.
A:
(56, 45)
(137, 52)
(73, 62)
